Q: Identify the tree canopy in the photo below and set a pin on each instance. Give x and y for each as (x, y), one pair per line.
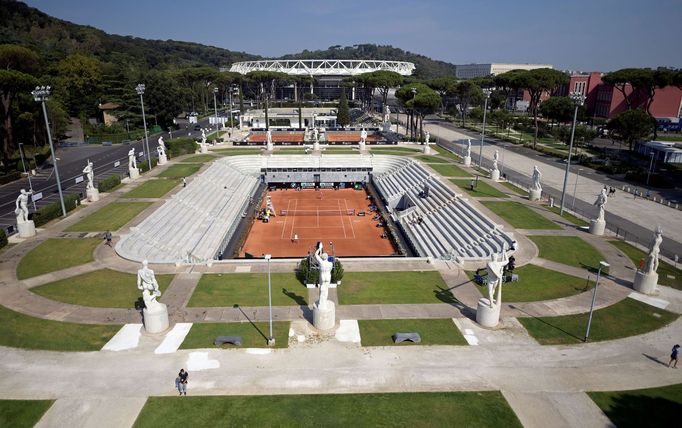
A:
(631, 126)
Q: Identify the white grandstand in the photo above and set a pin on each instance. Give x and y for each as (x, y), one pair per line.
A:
(196, 223)
(323, 67)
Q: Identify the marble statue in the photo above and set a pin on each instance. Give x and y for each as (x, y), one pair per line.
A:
(160, 151)
(535, 179)
(22, 206)
(468, 151)
(90, 175)
(268, 140)
(651, 265)
(363, 136)
(146, 281)
(162, 144)
(316, 135)
(132, 162)
(428, 137)
(601, 201)
(496, 156)
(203, 138)
(325, 267)
(495, 277)
(387, 114)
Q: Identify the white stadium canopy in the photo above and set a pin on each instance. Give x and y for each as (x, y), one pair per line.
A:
(324, 67)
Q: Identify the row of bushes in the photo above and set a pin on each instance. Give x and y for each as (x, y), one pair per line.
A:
(3, 238)
(144, 166)
(108, 183)
(54, 210)
(309, 275)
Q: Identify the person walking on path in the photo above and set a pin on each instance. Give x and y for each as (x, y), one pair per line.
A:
(184, 182)
(181, 381)
(674, 356)
(108, 237)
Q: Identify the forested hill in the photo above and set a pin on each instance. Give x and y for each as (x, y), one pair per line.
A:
(427, 68)
(54, 39)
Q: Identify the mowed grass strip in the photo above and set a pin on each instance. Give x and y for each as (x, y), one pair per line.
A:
(519, 215)
(110, 217)
(568, 250)
(667, 273)
(626, 318)
(432, 332)
(180, 170)
(103, 288)
(449, 170)
(537, 283)
(57, 254)
(23, 331)
(395, 149)
(199, 159)
(152, 188)
(568, 216)
(248, 289)
(254, 335)
(424, 409)
(481, 189)
(359, 288)
(22, 413)
(652, 407)
(237, 152)
(515, 189)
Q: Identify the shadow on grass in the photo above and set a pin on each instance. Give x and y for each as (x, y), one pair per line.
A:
(632, 410)
(251, 322)
(445, 295)
(300, 300)
(581, 339)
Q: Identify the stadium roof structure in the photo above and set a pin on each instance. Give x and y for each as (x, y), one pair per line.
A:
(324, 67)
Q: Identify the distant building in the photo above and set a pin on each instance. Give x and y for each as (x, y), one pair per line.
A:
(106, 115)
(663, 151)
(470, 71)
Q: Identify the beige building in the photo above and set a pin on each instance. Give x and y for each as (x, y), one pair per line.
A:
(470, 71)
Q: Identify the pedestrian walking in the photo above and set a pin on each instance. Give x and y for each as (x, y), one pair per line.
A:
(184, 182)
(674, 356)
(108, 237)
(181, 381)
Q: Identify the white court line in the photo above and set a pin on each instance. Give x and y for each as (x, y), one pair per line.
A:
(293, 220)
(285, 219)
(351, 222)
(338, 203)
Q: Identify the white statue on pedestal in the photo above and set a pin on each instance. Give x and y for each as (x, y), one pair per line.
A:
(495, 277)
(132, 162)
(535, 179)
(268, 140)
(427, 138)
(651, 265)
(601, 201)
(325, 267)
(160, 151)
(22, 206)
(90, 175)
(146, 281)
(363, 136)
(496, 156)
(162, 144)
(387, 114)
(203, 137)
(468, 150)
(316, 135)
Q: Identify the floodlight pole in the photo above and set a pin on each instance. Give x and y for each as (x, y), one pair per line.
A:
(578, 100)
(140, 91)
(215, 108)
(604, 265)
(271, 339)
(487, 93)
(28, 175)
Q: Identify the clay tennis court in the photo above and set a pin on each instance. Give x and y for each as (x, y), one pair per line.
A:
(318, 215)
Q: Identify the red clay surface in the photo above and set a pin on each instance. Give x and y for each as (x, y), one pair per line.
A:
(352, 235)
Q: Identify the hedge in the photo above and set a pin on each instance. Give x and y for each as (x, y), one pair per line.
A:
(108, 183)
(144, 166)
(3, 238)
(181, 146)
(311, 276)
(54, 210)
(12, 176)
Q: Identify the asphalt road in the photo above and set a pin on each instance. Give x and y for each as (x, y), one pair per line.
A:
(70, 162)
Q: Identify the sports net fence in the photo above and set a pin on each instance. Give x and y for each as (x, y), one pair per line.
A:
(316, 212)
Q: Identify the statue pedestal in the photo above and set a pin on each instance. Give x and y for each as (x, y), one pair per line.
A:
(485, 315)
(268, 147)
(597, 227)
(204, 149)
(26, 229)
(92, 195)
(316, 146)
(324, 318)
(156, 321)
(467, 160)
(361, 146)
(495, 174)
(163, 159)
(645, 283)
(534, 195)
(387, 126)
(134, 173)
(427, 149)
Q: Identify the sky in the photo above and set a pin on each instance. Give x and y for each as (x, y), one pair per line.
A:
(584, 35)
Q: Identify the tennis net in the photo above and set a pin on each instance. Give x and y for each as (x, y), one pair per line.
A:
(316, 212)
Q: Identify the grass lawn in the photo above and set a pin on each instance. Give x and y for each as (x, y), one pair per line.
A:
(429, 159)
(110, 217)
(432, 332)
(254, 335)
(449, 170)
(569, 250)
(248, 289)
(393, 288)
(395, 149)
(180, 170)
(57, 254)
(101, 289)
(513, 188)
(22, 331)
(199, 159)
(423, 409)
(237, 152)
(448, 154)
(628, 317)
(289, 151)
(653, 407)
(665, 270)
(537, 283)
(22, 413)
(482, 189)
(519, 215)
(568, 216)
(152, 189)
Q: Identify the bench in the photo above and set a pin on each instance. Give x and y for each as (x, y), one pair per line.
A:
(233, 340)
(402, 337)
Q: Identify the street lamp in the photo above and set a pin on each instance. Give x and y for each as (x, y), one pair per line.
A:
(271, 339)
(651, 164)
(215, 106)
(411, 119)
(602, 265)
(42, 94)
(578, 100)
(28, 175)
(140, 91)
(234, 89)
(575, 188)
(504, 146)
(486, 93)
